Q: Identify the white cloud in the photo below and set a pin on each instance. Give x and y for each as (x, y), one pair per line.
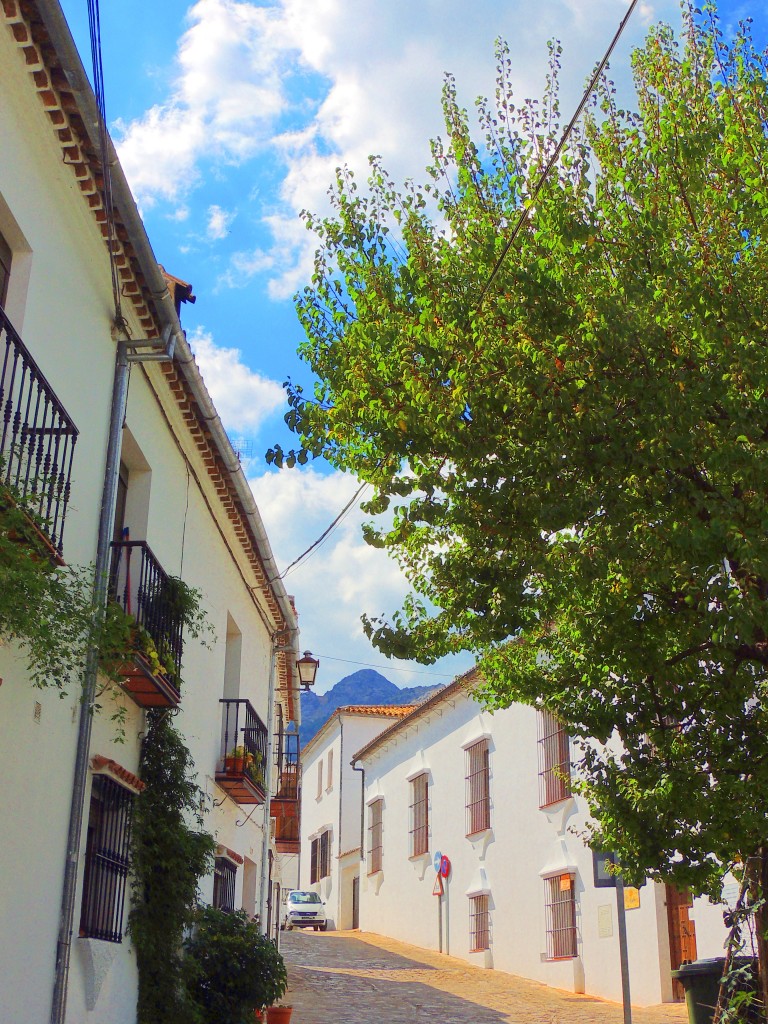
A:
(219, 221)
(382, 65)
(227, 92)
(243, 399)
(340, 579)
(243, 266)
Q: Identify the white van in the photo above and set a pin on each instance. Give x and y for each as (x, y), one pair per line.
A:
(303, 909)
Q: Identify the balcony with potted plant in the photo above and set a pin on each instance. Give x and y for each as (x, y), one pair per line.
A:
(241, 767)
(285, 804)
(37, 444)
(151, 609)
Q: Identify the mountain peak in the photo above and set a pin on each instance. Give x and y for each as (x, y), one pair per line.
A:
(364, 687)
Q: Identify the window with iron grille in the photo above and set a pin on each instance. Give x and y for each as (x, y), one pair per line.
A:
(560, 917)
(313, 860)
(106, 860)
(320, 857)
(224, 874)
(419, 815)
(479, 924)
(329, 771)
(375, 835)
(554, 760)
(478, 788)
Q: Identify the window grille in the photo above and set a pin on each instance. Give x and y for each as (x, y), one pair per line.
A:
(419, 815)
(325, 854)
(554, 760)
(479, 924)
(320, 857)
(224, 873)
(478, 790)
(375, 836)
(107, 860)
(560, 917)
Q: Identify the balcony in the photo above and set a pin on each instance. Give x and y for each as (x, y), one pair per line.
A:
(37, 440)
(138, 583)
(240, 771)
(285, 804)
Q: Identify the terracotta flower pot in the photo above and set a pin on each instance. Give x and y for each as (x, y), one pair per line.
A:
(279, 1014)
(233, 765)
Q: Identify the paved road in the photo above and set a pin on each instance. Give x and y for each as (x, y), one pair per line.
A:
(361, 978)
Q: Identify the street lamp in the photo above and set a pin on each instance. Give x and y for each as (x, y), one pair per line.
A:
(307, 667)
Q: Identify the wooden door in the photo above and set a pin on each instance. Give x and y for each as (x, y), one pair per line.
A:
(682, 933)
(356, 901)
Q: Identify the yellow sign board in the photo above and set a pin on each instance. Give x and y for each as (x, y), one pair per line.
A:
(631, 898)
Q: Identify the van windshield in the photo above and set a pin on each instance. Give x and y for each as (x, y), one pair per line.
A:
(304, 897)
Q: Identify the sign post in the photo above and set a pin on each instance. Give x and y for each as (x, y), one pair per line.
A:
(437, 890)
(606, 879)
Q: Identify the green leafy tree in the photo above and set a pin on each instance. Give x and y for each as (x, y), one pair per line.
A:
(575, 467)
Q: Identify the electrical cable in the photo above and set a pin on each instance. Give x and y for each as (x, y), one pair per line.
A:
(388, 668)
(94, 25)
(523, 220)
(326, 533)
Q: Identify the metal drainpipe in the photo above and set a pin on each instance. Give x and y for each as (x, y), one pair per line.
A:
(341, 794)
(106, 525)
(268, 777)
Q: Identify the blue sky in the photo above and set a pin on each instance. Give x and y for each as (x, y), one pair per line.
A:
(230, 117)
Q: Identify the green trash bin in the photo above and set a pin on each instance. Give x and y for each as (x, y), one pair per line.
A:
(701, 981)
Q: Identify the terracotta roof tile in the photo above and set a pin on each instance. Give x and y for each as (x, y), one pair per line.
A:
(390, 710)
(102, 765)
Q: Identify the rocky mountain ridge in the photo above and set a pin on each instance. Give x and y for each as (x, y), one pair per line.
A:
(366, 686)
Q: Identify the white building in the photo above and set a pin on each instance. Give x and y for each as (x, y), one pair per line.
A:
(491, 792)
(331, 795)
(189, 512)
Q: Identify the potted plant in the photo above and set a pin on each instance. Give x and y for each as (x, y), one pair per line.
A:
(234, 762)
(254, 769)
(231, 969)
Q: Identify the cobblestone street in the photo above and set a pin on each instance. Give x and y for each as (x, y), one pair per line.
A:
(361, 978)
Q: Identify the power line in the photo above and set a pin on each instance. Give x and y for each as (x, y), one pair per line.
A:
(523, 220)
(388, 668)
(323, 536)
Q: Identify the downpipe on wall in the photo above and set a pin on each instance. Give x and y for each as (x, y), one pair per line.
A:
(100, 586)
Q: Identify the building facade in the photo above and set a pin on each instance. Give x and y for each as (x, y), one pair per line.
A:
(491, 794)
(331, 808)
(181, 508)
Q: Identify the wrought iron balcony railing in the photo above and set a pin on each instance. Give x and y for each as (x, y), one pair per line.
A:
(241, 768)
(142, 588)
(37, 436)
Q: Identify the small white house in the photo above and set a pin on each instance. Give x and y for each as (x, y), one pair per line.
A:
(331, 797)
(491, 794)
(182, 508)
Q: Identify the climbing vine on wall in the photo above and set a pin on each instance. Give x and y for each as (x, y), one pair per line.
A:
(170, 851)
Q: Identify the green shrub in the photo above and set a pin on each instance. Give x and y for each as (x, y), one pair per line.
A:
(231, 967)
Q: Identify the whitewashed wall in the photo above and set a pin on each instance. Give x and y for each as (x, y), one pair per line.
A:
(508, 862)
(336, 807)
(61, 303)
